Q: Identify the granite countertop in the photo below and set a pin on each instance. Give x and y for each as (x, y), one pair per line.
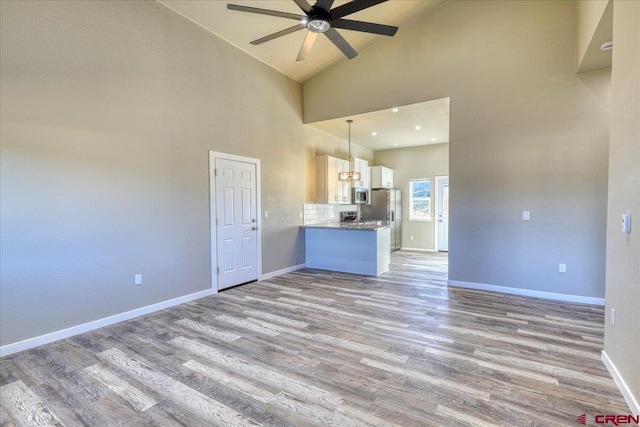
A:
(346, 226)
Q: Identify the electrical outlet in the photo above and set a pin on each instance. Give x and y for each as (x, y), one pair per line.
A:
(562, 268)
(137, 279)
(266, 214)
(300, 215)
(613, 316)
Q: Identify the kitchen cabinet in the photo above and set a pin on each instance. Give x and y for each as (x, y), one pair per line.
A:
(381, 177)
(329, 189)
(362, 166)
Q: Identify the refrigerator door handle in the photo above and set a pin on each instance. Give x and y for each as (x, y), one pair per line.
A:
(393, 216)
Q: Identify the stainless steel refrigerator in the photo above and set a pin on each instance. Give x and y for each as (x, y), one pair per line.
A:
(386, 206)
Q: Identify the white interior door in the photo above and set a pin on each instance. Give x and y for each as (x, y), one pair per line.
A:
(443, 213)
(236, 222)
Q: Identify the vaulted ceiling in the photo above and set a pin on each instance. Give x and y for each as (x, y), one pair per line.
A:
(240, 28)
(393, 130)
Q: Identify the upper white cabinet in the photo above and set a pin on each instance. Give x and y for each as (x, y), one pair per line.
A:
(329, 189)
(381, 177)
(362, 166)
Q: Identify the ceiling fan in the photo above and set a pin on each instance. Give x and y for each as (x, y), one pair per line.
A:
(321, 19)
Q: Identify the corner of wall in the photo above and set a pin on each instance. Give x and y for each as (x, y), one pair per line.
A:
(595, 26)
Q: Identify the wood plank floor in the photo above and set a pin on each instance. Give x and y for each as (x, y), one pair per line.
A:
(318, 348)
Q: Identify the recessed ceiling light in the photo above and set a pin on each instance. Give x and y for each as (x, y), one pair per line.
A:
(418, 128)
(395, 110)
(395, 143)
(374, 133)
(433, 140)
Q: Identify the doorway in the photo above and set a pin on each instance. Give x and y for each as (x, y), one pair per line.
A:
(442, 213)
(234, 220)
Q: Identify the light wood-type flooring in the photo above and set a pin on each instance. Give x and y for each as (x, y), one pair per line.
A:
(320, 348)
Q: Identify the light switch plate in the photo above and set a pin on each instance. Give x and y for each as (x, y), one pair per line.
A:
(526, 215)
(626, 223)
(266, 214)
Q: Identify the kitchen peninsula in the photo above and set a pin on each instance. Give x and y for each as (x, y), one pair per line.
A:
(346, 247)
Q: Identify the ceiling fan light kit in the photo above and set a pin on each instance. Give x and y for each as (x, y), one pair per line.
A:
(318, 25)
(321, 19)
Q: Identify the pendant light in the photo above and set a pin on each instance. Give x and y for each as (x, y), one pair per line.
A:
(350, 176)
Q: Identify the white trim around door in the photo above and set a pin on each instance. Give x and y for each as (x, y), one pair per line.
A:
(213, 155)
(437, 195)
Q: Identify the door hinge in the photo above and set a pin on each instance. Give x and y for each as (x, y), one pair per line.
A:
(216, 221)
(217, 270)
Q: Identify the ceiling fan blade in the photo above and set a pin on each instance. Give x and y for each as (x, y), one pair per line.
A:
(307, 45)
(353, 7)
(366, 27)
(278, 34)
(341, 43)
(265, 12)
(325, 4)
(304, 5)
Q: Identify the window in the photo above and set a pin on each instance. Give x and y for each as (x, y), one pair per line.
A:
(420, 200)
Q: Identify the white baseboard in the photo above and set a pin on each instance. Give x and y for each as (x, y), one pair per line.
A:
(89, 326)
(622, 386)
(417, 249)
(527, 292)
(283, 271)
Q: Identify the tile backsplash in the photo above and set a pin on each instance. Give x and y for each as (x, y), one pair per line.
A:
(322, 214)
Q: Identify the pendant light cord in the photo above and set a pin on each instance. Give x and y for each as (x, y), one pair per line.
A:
(350, 121)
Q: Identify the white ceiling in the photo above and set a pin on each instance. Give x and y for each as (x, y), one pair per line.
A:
(394, 129)
(240, 28)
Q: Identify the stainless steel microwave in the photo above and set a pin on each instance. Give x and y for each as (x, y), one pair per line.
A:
(359, 195)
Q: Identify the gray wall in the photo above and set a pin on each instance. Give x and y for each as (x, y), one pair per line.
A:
(623, 250)
(108, 111)
(409, 163)
(526, 133)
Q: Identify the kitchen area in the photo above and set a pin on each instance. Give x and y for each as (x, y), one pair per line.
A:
(389, 193)
(357, 221)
